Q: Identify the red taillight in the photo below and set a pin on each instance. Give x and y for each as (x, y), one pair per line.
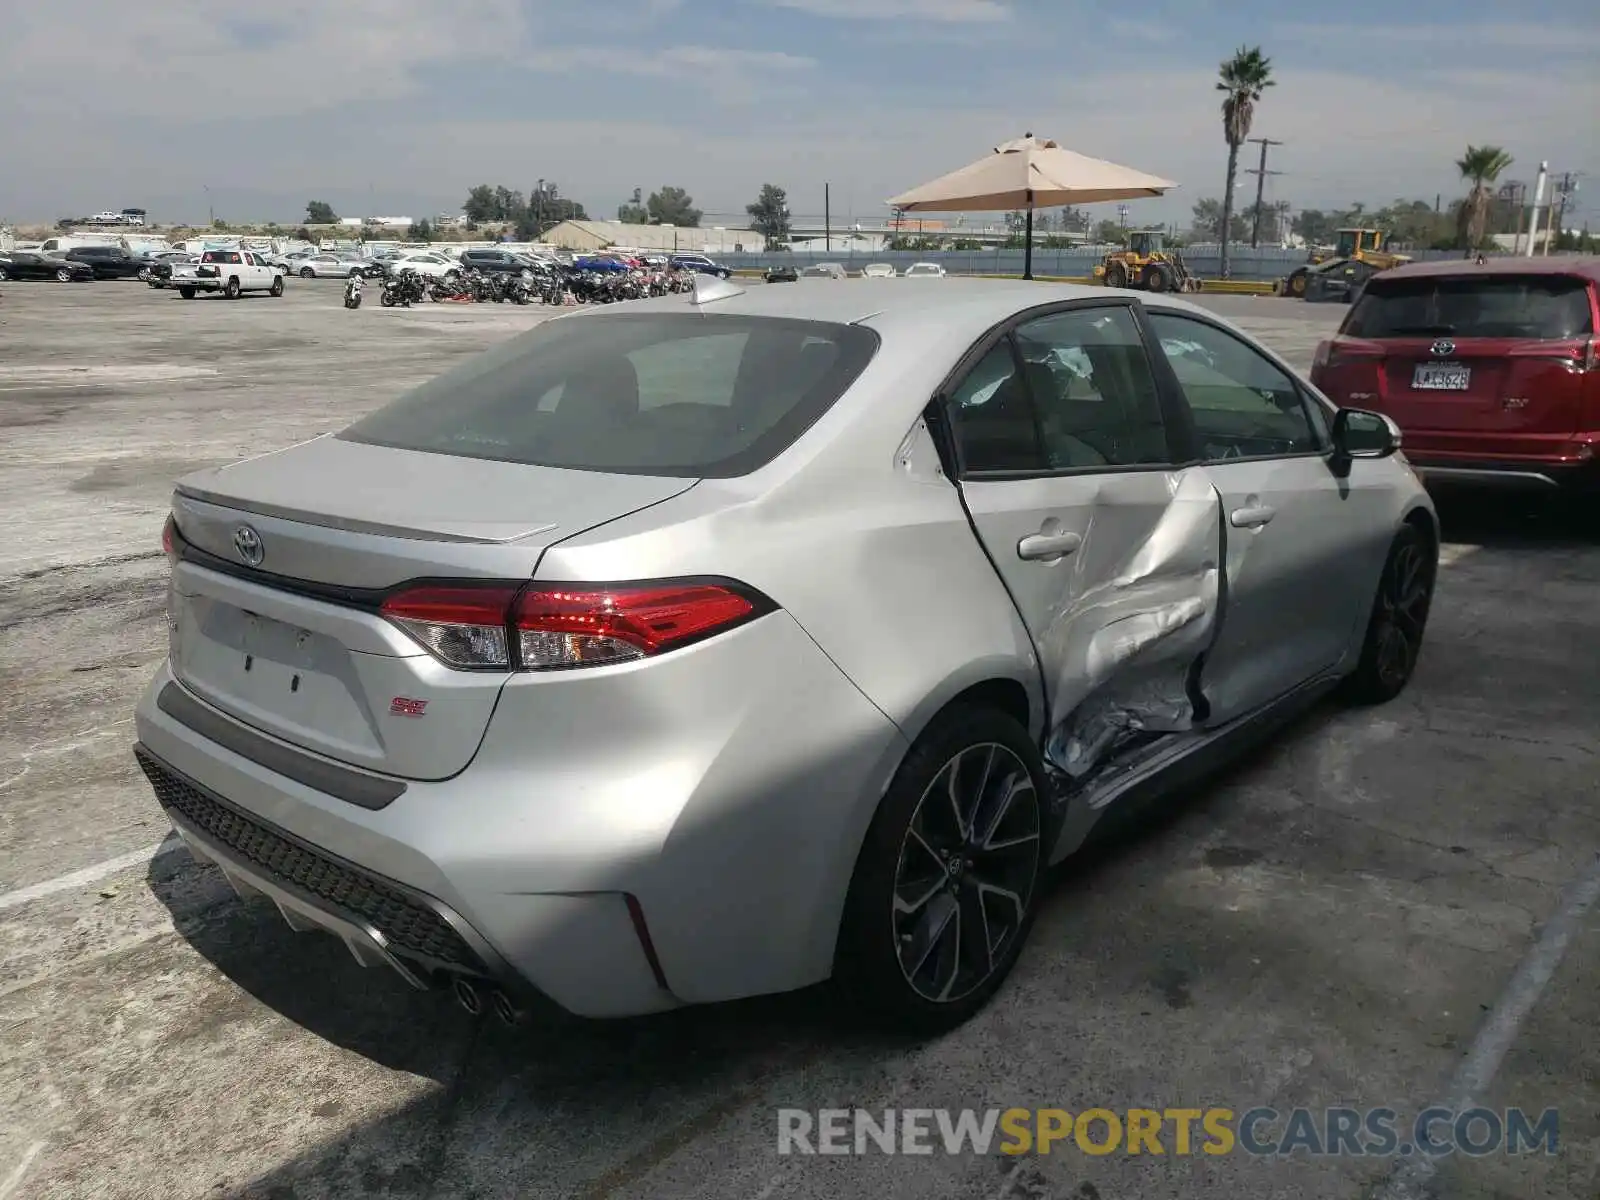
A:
(169, 546)
(555, 628)
(460, 626)
(1324, 349)
(581, 627)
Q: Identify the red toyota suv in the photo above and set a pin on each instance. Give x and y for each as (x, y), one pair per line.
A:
(1489, 369)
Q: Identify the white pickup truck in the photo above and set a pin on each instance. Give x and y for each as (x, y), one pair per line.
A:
(231, 272)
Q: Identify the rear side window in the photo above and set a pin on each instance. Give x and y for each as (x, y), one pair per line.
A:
(675, 394)
(1488, 306)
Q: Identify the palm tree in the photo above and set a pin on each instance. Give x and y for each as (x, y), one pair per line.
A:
(1244, 78)
(1482, 166)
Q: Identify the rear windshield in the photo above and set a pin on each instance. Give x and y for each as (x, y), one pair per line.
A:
(681, 394)
(1499, 306)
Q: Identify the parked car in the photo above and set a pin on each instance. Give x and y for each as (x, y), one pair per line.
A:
(483, 683)
(231, 273)
(877, 271)
(29, 264)
(700, 264)
(334, 266)
(158, 268)
(496, 262)
(1490, 370)
(433, 266)
(108, 262)
(827, 270)
(784, 273)
(925, 270)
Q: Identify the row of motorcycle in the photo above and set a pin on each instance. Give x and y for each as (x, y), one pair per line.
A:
(542, 283)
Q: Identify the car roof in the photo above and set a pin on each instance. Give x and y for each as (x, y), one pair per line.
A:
(1587, 267)
(970, 304)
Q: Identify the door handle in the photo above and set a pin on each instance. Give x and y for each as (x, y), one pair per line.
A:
(1251, 518)
(1047, 547)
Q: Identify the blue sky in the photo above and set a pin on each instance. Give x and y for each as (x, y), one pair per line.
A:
(398, 106)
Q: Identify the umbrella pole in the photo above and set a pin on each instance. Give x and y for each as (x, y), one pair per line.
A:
(1027, 240)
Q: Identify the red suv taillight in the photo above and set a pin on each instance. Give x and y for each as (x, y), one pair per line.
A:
(547, 628)
(169, 532)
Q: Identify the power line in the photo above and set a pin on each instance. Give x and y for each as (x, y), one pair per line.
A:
(1261, 174)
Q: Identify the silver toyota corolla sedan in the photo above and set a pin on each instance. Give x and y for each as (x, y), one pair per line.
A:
(718, 645)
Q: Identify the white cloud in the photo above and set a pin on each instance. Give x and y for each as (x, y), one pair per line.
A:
(179, 59)
(891, 10)
(308, 98)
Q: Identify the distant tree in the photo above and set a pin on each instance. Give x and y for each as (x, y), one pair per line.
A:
(482, 204)
(634, 211)
(1016, 223)
(769, 215)
(1314, 225)
(1074, 220)
(1206, 222)
(420, 231)
(320, 212)
(304, 234)
(219, 223)
(1245, 78)
(1480, 166)
(673, 206)
(545, 210)
(1110, 233)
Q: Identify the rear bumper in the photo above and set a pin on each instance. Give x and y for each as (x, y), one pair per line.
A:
(1566, 472)
(682, 833)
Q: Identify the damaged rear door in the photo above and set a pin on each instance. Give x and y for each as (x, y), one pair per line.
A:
(1111, 553)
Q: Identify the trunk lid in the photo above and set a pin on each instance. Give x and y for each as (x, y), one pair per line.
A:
(1484, 385)
(279, 627)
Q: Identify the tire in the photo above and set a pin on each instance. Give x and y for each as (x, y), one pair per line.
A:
(231, 289)
(277, 286)
(63, 275)
(186, 292)
(1117, 276)
(1156, 278)
(1297, 285)
(307, 273)
(386, 299)
(1399, 619)
(876, 964)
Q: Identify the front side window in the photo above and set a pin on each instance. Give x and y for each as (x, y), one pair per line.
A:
(1243, 404)
(682, 395)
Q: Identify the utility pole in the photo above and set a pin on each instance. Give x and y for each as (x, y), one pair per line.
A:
(1261, 174)
(1533, 208)
(1569, 185)
(827, 219)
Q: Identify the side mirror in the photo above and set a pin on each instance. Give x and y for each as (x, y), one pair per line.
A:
(1358, 433)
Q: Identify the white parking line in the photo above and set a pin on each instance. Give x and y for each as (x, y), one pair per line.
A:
(88, 875)
(13, 1180)
(1478, 1069)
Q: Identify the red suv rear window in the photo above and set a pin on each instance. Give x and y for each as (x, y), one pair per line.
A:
(1487, 306)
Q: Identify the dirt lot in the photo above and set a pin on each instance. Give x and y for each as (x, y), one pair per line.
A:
(1356, 917)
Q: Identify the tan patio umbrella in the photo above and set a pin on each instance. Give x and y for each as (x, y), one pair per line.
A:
(1030, 173)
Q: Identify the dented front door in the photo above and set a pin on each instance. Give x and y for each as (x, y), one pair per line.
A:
(1110, 552)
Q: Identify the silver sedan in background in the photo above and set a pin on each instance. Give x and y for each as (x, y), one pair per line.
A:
(707, 647)
(337, 266)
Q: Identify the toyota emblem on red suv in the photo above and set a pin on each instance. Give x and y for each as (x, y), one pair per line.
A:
(1443, 346)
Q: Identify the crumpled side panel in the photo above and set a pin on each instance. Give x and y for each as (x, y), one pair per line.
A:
(1123, 649)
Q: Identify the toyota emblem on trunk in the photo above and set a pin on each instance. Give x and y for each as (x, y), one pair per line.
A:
(1444, 346)
(247, 542)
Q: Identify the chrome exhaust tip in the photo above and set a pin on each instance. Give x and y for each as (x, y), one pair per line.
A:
(505, 1010)
(468, 996)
